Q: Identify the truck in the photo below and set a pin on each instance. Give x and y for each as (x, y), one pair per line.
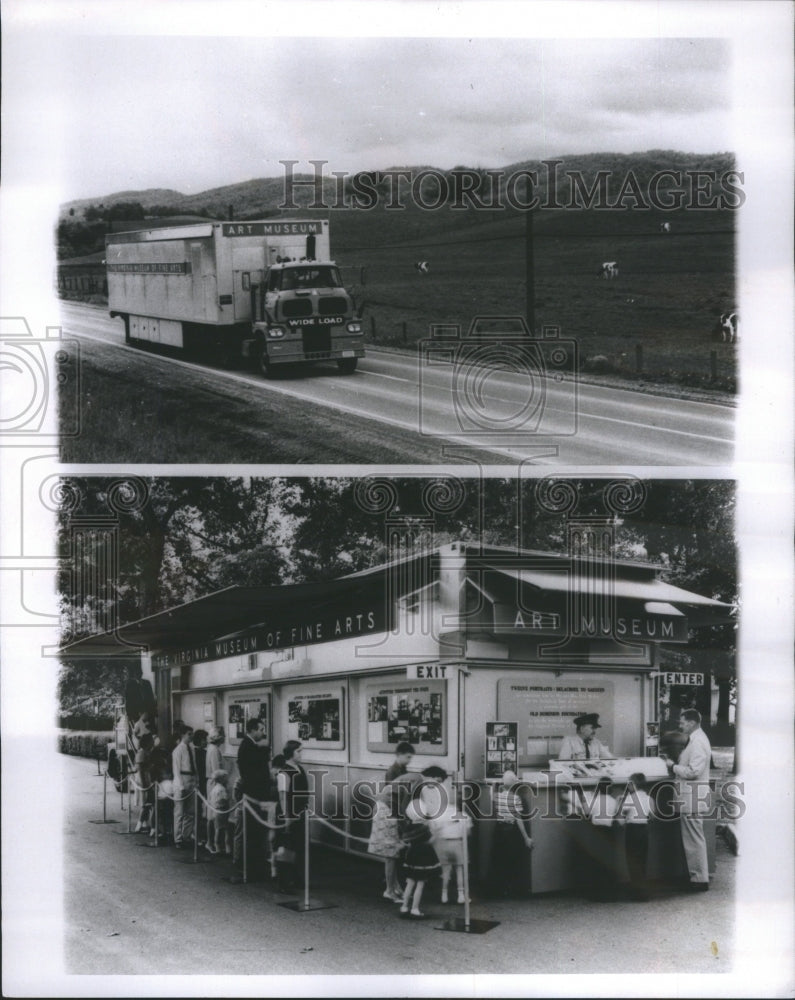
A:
(264, 290)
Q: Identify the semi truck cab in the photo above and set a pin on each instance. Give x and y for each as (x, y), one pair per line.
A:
(301, 311)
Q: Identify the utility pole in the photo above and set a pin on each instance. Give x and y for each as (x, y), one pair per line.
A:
(530, 277)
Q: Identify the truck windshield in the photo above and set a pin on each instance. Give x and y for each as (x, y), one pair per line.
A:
(310, 277)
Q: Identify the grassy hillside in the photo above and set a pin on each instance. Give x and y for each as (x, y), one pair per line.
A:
(670, 290)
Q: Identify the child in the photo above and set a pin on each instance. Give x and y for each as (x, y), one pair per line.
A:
(635, 808)
(420, 861)
(272, 815)
(218, 811)
(384, 837)
(448, 831)
(508, 865)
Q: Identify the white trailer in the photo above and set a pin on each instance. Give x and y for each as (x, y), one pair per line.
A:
(265, 290)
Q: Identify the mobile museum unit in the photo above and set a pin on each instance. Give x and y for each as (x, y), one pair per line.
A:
(480, 657)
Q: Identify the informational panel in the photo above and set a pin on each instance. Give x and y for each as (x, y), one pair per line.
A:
(243, 706)
(501, 749)
(415, 711)
(315, 717)
(545, 709)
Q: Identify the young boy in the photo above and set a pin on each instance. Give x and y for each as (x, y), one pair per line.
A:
(448, 831)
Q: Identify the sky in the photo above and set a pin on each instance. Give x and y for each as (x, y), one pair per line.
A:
(129, 112)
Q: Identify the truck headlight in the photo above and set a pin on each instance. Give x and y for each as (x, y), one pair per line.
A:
(354, 327)
(276, 332)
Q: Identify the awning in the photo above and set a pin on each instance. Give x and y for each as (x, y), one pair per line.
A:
(653, 591)
(222, 613)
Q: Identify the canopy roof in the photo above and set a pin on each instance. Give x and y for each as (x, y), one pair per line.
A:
(235, 609)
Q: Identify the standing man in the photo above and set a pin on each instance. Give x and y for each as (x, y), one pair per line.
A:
(585, 745)
(253, 758)
(692, 770)
(185, 783)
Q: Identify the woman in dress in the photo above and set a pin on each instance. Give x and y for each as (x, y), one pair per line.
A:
(384, 837)
(213, 762)
(293, 786)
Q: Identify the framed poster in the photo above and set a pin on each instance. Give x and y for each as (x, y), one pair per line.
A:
(414, 711)
(242, 707)
(502, 739)
(316, 718)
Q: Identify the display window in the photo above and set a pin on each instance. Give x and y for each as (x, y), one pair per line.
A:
(315, 717)
(544, 709)
(242, 707)
(411, 711)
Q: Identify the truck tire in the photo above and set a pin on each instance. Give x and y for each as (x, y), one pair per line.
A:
(347, 366)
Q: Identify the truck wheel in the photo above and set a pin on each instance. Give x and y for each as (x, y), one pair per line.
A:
(347, 366)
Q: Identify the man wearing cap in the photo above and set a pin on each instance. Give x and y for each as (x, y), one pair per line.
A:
(585, 745)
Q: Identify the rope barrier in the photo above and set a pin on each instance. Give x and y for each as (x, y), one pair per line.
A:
(336, 829)
(220, 812)
(250, 809)
(140, 788)
(248, 803)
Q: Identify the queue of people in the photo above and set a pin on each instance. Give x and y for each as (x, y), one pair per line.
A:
(416, 827)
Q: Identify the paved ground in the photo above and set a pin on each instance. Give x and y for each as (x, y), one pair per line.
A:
(132, 910)
(593, 425)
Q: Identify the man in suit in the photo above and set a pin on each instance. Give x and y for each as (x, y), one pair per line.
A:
(585, 745)
(692, 772)
(253, 757)
(185, 783)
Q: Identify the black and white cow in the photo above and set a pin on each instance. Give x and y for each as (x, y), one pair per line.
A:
(728, 325)
(609, 269)
(665, 227)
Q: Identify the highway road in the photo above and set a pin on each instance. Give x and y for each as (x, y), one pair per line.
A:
(450, 410)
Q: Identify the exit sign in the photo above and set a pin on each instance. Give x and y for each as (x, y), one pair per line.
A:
(682, 677)
(428, 671)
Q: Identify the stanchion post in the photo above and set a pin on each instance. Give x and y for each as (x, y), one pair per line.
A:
(157, 815)
(304, 906)
(105, 799)
(129, 810)
(465, 842)
(467, 925)
(245, 840)
(307, 815)
(196, 824)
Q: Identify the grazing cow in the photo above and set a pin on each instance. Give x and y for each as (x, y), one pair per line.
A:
(609, 269)
(729, 323)
(665, 227)
(422, 266)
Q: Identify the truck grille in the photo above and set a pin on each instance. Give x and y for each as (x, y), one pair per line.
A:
(293, 308)
(331, 305)
(316, 341)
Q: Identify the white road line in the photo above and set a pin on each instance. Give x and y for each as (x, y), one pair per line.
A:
(468, 442)
(583, 415)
